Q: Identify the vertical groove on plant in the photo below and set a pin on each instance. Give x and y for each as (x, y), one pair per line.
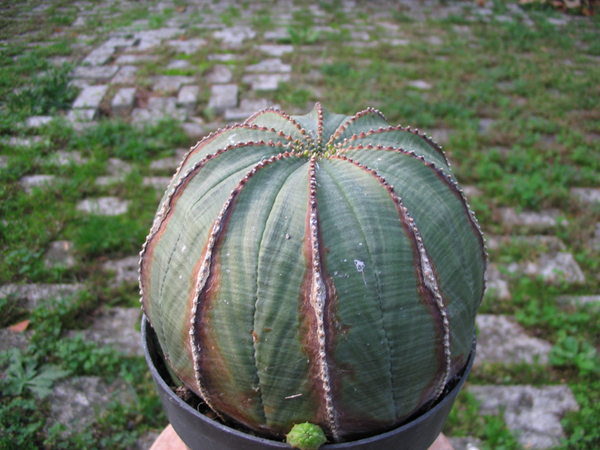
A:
(427, 274)
(319, 299)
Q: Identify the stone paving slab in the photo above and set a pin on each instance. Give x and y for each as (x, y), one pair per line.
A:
(30, 296)
(502, 340)
(188, 47)
(397, 42)
(265, 82)
(223, 96)
(234, 36)
(554, 268)
(531, 414)
(277, 34)
(188, 98)
(119, 43)
(146, 44)
(579, 300)
(104, 206)
(90, 97)
(76, 402)
(129, 59)
(496, 285)
(123, 101)
(538, 221)
(171, 163)
(11, 339)
(82, 115)
(220, 74)
(158, 108)
(594, 242)
(587, 195)
(96, 73)
(160, 184)
(485, 126)
(223, 58)
(125, 270)
(193, 130)
(420, 84)
(118, 166)
(157, 35)
(275, 50)
(15, 141)
(118, 171)
(38, 121)
(60, 254)
(99, 56)
(31, 182)
(179, 64)
(170, 83)
(273, 65)
(125, 75)
(116, 328)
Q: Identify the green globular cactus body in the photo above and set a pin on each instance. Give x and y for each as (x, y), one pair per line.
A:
(317, 268)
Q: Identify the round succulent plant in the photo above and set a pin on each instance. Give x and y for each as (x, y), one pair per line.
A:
(317, 268)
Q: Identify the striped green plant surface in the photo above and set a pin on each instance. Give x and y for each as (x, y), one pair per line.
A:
(317, 268)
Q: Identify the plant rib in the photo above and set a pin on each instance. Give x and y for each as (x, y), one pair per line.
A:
(445, 178)
(352, 120)
(427, 274)
(319, 300)
(204, 275)
(423, 136)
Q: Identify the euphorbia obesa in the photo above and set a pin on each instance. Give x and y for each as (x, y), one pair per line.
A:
(317, 268)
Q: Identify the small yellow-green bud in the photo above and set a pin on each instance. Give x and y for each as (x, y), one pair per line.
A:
(306, 436)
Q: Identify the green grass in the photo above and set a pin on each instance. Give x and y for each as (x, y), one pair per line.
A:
(22, 416)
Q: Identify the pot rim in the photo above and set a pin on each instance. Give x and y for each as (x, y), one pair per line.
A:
(278, 444)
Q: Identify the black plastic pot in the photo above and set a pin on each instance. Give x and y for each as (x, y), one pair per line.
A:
(199, 432)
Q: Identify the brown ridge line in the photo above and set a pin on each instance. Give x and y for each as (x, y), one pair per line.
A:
(423, 136)
(319, 302)
(284, 116)
(319, 123)
(203, 271)
(162, 216)
(353, 119)
(446, 178)
(427, 275)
